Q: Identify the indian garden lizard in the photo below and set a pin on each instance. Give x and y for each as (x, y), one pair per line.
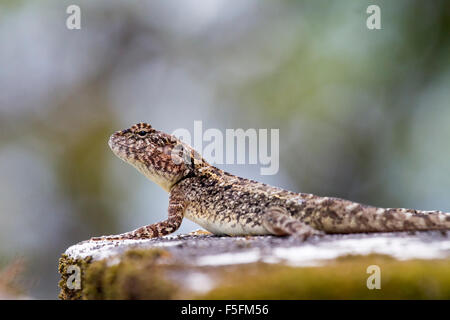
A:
(225, 204)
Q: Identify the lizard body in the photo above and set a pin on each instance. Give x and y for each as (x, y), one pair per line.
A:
(225, 204)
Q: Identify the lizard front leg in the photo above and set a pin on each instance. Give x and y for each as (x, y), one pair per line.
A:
(176, 209)
(278, 222)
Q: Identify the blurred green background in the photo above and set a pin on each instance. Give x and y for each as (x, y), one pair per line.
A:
(363, 114)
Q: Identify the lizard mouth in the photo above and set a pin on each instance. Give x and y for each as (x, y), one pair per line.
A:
(128, 147)
(116, 146)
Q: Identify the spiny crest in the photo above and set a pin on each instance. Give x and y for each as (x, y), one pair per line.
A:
(144, 135)
(141, 126)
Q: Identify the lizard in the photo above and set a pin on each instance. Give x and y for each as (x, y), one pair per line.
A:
(225, 204)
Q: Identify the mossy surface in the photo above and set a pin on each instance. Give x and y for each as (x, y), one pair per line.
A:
(344, 278)
(142, 274)
(136, 276)
(64, 264)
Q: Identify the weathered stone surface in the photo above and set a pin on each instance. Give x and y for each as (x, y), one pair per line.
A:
(201, 250)
(194, 263)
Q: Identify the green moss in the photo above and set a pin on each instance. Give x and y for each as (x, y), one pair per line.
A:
(136, 276)
(344, 278)
(141, 275)
(64, 263)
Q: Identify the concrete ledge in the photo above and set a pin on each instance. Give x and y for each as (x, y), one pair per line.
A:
(206, 266)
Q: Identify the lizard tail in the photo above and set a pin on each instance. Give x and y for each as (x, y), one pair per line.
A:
(353, 217)
(411, 220)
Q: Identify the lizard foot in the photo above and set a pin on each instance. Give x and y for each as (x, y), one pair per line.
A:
(199, 232)
(278, 222)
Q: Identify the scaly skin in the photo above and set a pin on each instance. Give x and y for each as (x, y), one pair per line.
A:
(225, 204)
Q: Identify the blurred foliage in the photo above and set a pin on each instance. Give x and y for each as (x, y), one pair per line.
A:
(11, 280)
(368, 100)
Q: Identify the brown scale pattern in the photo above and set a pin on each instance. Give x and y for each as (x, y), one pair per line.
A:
(227, 204)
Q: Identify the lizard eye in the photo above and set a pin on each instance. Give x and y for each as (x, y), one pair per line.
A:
(142, 133)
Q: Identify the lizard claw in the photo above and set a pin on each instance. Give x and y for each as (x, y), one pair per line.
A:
(106, 238)
(305, 235)
(98, 238)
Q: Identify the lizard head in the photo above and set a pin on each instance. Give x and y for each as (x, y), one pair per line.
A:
(161, 157)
